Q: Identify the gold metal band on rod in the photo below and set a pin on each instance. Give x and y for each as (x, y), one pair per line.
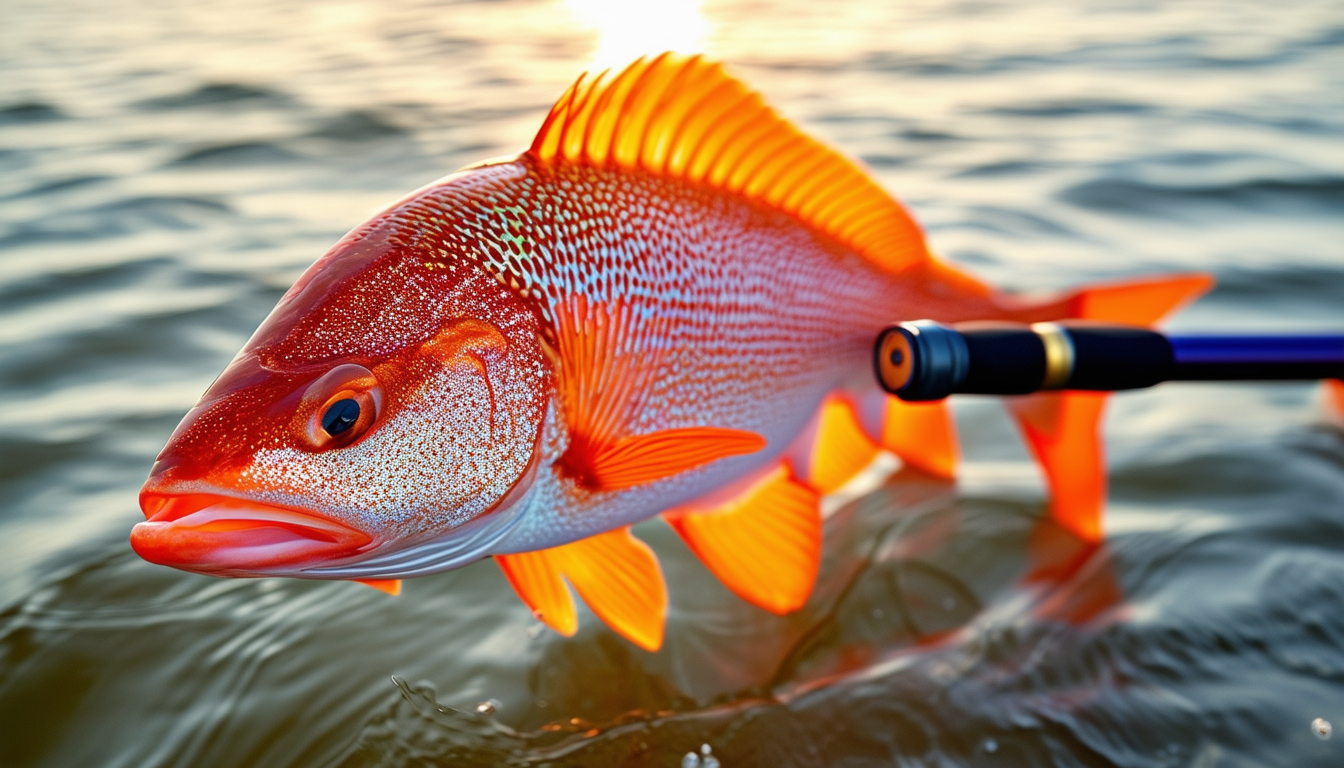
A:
(1059, 356)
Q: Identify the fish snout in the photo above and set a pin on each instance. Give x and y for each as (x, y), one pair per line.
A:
(225, 536)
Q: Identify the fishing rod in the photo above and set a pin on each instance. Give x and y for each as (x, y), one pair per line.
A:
(926, 360)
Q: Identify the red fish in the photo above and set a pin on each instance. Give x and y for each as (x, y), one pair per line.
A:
(666, 305)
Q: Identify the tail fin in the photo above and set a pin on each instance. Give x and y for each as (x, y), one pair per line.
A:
(1062, 428)
(1334, 399)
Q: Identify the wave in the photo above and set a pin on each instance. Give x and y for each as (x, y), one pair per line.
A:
(212, 94)
(1320, 194)
(30, 112)
(358, 125)
(118, 218)
(239, 153)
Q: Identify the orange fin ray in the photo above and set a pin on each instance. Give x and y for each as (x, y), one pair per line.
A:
(1062, 432)
(536, 577)
(1334, 399)
(840, 448)
(643, 459)
(765, 545)
(1138, 302)
(390, 586)
(617, 575)
(923, 435)
(602, 379)
(685, 118)
(1061, 428)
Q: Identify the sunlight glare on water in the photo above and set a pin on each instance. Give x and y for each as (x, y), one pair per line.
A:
(628, 29)
(168, 169)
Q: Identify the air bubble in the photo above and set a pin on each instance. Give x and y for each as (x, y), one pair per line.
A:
(487, 707)
(1322, 728)
(990, 746)
(705, 759)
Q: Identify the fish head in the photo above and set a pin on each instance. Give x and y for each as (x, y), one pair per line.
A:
(389, 407)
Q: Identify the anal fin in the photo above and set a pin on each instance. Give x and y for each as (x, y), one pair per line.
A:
(765, 545)
(616, 574)
(840, 448)
(922, 434)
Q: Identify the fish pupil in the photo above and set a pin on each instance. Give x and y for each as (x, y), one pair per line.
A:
(340, 417)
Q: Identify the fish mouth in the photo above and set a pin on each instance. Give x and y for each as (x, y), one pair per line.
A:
(226, 536)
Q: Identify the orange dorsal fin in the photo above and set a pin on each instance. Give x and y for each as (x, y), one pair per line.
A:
(390, 586)
(616, 574)
(1062, 428)
(683, 117)
(602, 380)
(765, 545)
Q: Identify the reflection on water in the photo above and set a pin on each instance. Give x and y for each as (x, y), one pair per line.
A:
(166, 170)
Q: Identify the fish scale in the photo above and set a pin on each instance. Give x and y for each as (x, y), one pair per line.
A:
(665, 305)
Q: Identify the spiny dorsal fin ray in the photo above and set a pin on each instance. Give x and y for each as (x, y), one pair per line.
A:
(685, 118)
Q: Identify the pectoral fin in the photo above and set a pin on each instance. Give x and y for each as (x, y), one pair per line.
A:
(643, 459)
(616, 574)
(765, 545)
(603, 375)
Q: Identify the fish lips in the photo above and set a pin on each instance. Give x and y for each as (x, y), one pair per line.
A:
(226, 536)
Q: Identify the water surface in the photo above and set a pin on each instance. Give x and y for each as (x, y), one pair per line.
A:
(168, 169)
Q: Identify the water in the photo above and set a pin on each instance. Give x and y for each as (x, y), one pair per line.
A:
(167, 169)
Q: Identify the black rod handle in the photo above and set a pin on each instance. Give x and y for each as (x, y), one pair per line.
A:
(925, 360)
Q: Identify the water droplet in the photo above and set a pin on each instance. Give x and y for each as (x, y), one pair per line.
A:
(487, 707)
(990, 746)
(691, 760)
(705, 749)
(1322, 728)
(710, 762)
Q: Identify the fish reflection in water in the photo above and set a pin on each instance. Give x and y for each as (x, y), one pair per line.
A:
(928, 612)
(168, 169)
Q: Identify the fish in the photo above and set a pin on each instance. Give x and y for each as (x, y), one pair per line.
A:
(665, 306)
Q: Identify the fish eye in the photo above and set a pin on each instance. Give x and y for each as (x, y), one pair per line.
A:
(338, 408)
(340, 416)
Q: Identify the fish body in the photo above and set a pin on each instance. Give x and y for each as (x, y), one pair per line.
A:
(665, 306)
